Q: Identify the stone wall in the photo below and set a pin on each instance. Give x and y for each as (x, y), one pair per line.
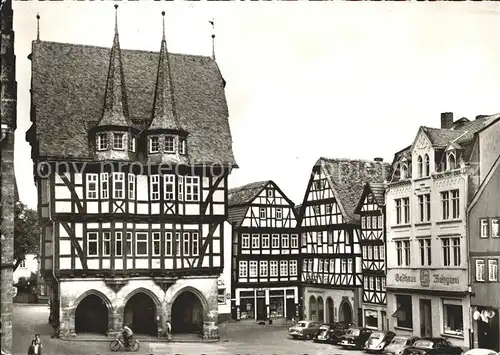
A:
(73, 291)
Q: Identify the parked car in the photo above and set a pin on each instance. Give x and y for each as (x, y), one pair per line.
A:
(378, 341)
(331, 333)
(399, 344)
(355, 338)
(305, 329)
(433, 346)
(480, 351)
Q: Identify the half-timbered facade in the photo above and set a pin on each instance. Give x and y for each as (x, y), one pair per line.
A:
(330, 249)
(371, 209)
(265, 276)
(131, 189)
(427, 251)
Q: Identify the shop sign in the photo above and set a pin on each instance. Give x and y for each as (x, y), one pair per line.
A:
(436, 279)
(315, 290)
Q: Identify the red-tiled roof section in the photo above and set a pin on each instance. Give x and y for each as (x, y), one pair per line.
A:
(348, 177)
(68, 86)
(243, 195)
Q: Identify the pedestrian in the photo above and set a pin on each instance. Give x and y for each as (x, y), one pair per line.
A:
(168, 329)
(36, 346)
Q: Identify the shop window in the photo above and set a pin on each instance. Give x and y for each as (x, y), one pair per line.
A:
(221, 296)
(371, 319)
(276, 303)
(453, 317)
(247, 307)
(404, 311)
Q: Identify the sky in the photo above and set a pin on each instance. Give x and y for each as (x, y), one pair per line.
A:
(304, 79)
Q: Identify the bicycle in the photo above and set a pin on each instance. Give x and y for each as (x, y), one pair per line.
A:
(119, 344)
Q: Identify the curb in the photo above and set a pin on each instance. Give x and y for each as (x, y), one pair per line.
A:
(201, 341)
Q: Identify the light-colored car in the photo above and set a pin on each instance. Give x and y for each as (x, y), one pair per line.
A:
(305, 329)
(399, 344)
(480, 351)
(378, 341)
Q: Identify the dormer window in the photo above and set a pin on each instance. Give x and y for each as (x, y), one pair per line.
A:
(154, 144)
(170, 144)
(420, 164)
(118, 141)
(426, 165)
(182, 146)
(452, 161)
(404, 171)
(131, 143)
(102, 141)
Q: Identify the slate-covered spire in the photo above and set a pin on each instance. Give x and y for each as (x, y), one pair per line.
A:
(115, 112)
(164, 114)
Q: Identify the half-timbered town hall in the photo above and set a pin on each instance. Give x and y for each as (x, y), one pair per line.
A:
(330, 247)
(265, 253)
(132, 150)
(371, 209)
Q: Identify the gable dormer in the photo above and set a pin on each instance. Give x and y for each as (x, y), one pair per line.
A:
(452, 158)
(166, 140)
(114, 136)
(422, 153)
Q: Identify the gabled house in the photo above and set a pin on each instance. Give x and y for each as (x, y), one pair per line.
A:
(265, 260)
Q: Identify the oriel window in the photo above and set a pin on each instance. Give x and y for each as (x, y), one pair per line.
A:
(118, 141)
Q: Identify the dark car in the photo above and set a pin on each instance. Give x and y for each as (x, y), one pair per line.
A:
(433, 346)
(331, 333)
(355, 338)
(378, 341)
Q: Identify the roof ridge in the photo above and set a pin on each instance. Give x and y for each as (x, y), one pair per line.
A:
(243, 187)
(352, 160)
(125, 49)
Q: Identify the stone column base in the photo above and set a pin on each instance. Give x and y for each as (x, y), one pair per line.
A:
(210, 330)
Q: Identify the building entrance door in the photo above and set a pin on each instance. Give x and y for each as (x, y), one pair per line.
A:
(487, 333)
(261, 309)
(425, 318)
(383, 315)
(290, 308)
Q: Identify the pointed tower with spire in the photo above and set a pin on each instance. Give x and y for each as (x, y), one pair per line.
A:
(115, 136)
(165, 137)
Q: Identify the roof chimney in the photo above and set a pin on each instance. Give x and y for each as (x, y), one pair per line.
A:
(378, 159)
(447, 120)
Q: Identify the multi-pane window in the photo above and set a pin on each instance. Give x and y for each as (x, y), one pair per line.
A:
(492, 270)
(455, 204)
(104, 186)
(349, 266)
(92, 244)
(328, 209)
(368, 222)
(168, 188)
(118, 243)
(450, 204)
(424, 207)
(406, 247)
(377, 283)
(170, 144)
(141, 244)
(398, 211)
(106, 243)
(263, 268)
(182, 145)
(118, 141)
(305, 265)
(480, 270)
(485, 228)
(293, 267)
(154, 144)
(156, 244)
(186, 243)
(131, 143)
(154, 187)
(180, 188)
(451, 251)
(168, 243)
(284, 241)
(195, 244)
(370, 280)
(279, 214)
(343, 266)
(365, 283)
(326, 265)
(425, 251)
(283, 267)
(370, 252)
(91, 186)
(255, 241)
(365, 252)
(273, 265)
(275, 241)
(253, 268)
(118, 180)
(131, 187)
(129, 250)
(294, 241)
(177, 245)
(102, 141)
(320, 265)
(22, 264)
(403, 252)
(406, 209)
(245, 241)
(495, 224)
(243, 269)
(262, 213)
(375, 252)
(382, 252)
(270, 193)
(192, 186)
(265, 240)
(399, 252)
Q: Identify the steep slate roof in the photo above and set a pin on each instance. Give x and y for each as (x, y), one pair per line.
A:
(378, 191)
(245, 194)
(68, 85)
(347, 179)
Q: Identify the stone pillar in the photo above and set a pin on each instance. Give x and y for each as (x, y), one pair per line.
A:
(211, 314)
(8, 104)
